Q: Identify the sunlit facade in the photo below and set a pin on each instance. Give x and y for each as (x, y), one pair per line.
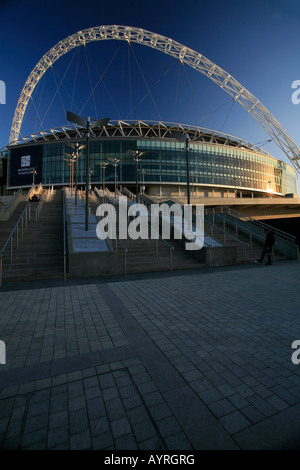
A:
(219, 164)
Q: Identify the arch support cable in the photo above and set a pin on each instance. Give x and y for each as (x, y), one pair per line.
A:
(166, 45)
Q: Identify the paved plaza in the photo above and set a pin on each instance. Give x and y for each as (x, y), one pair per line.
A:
(172, 361)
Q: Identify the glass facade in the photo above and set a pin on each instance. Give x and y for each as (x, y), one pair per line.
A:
(164, 162)
(3, 171)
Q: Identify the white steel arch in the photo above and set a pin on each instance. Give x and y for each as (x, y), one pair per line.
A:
(161, 43)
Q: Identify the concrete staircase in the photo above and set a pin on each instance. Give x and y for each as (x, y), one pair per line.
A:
(152, 256)
(7, 226)
(40, 253)
(217, 233)
(231, 238)
(255, 248)
(149, 255)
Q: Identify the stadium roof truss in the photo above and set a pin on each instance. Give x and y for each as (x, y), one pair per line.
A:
(168, 46)
(140, 130)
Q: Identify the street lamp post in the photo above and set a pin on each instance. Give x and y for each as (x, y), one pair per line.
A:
(137, 156)
(87, 125)
(76, 173)
(76, 155)
(71, 159)
(184, 138)
(69, 163)
(87, 172)
(143, 172)
(90, 174)
(137, 177)
(103, 165)
(115, 164)
(34, 172)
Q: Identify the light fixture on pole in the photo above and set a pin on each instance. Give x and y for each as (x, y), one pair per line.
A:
(184, 138)
(71, 159)
(103, 165)
(77, 154)
(137, 156)
(87, 125)
(143, 172)
(115, 164)
(90, 186)
(69, 163)
(34, 172)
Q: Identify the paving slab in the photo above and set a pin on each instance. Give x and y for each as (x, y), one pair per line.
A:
(174, 361)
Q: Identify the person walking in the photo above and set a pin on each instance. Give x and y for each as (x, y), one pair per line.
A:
(268, 247)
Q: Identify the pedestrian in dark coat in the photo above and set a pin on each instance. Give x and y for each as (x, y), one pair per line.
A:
(268, 247)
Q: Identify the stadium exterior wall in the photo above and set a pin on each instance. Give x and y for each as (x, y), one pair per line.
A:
(218, 166)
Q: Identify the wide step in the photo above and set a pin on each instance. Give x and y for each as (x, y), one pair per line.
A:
(40, 250)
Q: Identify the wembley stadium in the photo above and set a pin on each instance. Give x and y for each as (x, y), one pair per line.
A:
(219, 165)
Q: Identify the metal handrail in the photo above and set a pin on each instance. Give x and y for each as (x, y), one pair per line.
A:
(10, 203)
(129, 193)
(160, 237)
(39, 207)
(251, 232)
(125, 251)
(16, 228)
(13, 230)
(64, 231)
(110, 198)
(246, 245)
(258, 222)
(97, 195)
(10, 239)
(224, 221)
(226, 233)
(124, 248)
(171, 247)
(279, 233)
(149, 201)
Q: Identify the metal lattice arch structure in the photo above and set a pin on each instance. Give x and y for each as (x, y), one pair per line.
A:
(168, 46)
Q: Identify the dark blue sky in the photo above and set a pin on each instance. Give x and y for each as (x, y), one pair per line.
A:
(257, 42)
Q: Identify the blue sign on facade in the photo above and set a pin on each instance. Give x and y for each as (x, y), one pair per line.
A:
(23, 161)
